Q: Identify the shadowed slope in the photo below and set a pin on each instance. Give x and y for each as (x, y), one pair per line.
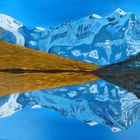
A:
(24, 69)
(124, 74)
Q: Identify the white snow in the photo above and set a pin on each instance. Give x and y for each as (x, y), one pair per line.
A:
(12, 25)
(92, 123)
(116, 129)
(10, 107)
(96, 16)
(9, 23)
(36, 106)
(81, 88)
(120, 11)
(76, 53)
(40, 28)
(94, 54)
(33, 42)
(118, 56)
(93, 89)
(72, 94)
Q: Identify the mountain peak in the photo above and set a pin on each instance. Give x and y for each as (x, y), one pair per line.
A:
(117, 14)
(11, 26)
(120, 11)
(96, 16)
(9, 22)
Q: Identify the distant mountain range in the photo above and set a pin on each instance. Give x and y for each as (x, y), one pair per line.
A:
(93, 39)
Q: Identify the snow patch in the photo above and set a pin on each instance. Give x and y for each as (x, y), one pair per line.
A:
(96, 16)
(72, 94)
(40, 28)
(92, 123)
(120, 11)
(32, 42)
(94, 54)
(36, 106)
(10, 107)
(12, 25)
(76, 53)
(93, 89)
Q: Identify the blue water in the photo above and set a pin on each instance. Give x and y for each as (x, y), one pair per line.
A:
(43, 124)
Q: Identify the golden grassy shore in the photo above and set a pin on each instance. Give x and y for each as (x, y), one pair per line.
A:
(24, 69)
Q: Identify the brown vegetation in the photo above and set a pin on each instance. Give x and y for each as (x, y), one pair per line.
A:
(24, 69)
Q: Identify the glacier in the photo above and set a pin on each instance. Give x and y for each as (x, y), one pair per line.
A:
(93, 39)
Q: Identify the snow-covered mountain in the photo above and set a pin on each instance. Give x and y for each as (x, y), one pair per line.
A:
(9, 30)
(93, 39)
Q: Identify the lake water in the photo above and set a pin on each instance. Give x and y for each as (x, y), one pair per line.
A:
(44, 124)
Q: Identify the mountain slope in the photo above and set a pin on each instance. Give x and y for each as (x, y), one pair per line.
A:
(94, 39)
(9, 30)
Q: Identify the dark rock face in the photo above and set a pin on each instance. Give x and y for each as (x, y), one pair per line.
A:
(124, 74)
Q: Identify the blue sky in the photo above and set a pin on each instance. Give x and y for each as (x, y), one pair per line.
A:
(44, 124)
(53, 12)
